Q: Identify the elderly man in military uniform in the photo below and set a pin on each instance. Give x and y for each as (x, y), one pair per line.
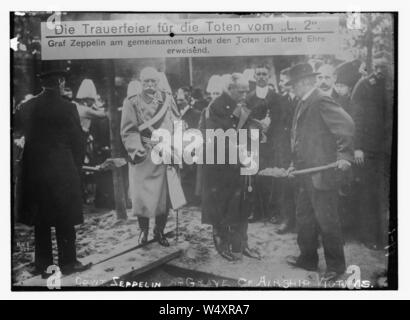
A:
(143, 112)
(372, 111)
(50, 193)
(225, 197)
(322, 133)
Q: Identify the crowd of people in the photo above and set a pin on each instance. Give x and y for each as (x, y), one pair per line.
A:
(314, 114)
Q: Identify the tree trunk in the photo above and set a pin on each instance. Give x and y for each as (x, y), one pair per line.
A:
(115, 139)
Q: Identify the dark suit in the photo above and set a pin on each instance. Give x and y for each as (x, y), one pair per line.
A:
(225, 202)
(190, 117)
(265, 187)
(282, 158)
(50, 191)
(372, 107)
(343, 101)
(322, 132)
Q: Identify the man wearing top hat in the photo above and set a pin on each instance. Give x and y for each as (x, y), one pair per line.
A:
(322, 133)
(50, 188)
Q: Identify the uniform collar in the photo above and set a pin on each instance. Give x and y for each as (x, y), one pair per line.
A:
(156, 97)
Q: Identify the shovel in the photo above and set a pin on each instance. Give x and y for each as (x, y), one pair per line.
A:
(108, 164)
(276, 174)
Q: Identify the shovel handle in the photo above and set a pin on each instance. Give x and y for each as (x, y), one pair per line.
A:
(92, 169)
(314, 170)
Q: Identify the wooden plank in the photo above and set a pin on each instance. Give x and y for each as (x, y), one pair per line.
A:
(121, 267)
(125, 247)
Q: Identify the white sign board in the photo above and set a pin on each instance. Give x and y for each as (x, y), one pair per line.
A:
(190, 38)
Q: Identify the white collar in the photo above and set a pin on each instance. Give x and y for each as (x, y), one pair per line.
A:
(183, 111)
(307, 95)
(262, 92)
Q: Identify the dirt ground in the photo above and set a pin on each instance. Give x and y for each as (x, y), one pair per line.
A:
(102, 235)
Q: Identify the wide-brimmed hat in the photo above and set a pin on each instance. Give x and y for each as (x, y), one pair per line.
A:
(300, 71)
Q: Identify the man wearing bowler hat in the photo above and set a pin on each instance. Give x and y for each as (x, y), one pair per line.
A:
(50, 182)
(322, 133)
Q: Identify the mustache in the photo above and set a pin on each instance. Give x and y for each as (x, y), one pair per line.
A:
(324, 86)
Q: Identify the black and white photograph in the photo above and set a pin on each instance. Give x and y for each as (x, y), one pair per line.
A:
(203, 150)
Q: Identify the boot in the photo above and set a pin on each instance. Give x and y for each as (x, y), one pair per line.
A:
(160, 237)
(143, 238)
(76, 266)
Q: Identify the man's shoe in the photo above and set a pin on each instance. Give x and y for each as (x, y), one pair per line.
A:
(252, 218)
(274, 220)
(295, 262)
(236, 256)
(162, 240)
(36, 270)
(284, 228)
(331, 275)
(76, 266)
(251, 253)
(226, 255)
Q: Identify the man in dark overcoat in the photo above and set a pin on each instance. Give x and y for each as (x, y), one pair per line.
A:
(322, 133)
(282, 154)
(347, 75)
(263, 101)
(190, 117)
(225, 197)
(372, 105)
(50, 183)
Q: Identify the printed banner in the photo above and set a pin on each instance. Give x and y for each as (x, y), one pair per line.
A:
(189, 38)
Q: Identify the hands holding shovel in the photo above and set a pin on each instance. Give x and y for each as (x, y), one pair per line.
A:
(275, 172)
(109, 164)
